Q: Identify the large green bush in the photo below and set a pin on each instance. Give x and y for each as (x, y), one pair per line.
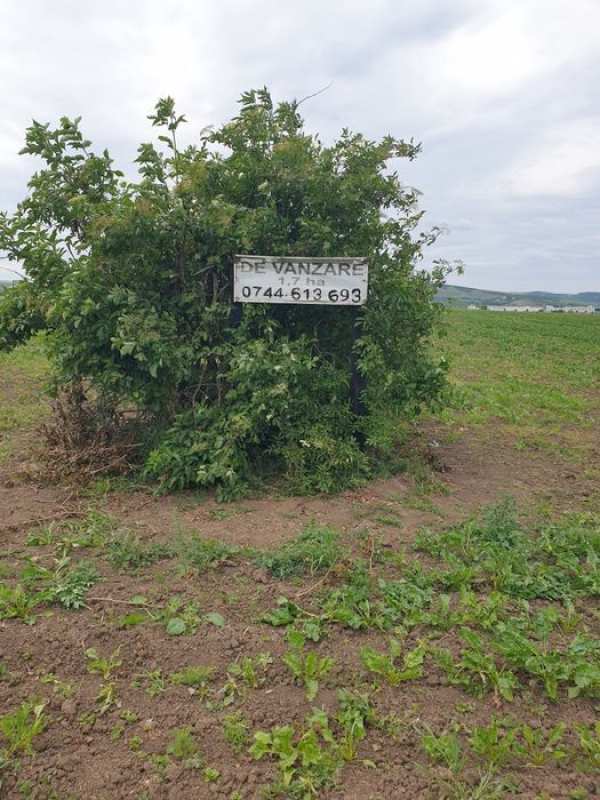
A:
(132, 279)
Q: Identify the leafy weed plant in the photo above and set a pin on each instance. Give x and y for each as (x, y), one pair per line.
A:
(19, 728)
(385, 664)
(307, 668)
(102, 665)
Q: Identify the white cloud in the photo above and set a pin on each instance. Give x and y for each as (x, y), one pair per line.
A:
(564, 163)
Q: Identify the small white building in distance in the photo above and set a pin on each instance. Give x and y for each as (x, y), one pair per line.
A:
(521, 309)
(579, 309)
(536, 309)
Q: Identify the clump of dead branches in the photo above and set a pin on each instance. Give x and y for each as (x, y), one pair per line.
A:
(89, 438)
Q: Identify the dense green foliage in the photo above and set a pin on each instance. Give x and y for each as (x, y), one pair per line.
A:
(133, 282)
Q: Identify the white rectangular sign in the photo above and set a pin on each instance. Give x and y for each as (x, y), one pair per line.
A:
(313, 281)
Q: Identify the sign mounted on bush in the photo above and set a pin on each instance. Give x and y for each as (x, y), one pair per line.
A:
(313, 281)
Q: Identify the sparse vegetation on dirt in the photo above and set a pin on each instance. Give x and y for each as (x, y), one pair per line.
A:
(437, 630)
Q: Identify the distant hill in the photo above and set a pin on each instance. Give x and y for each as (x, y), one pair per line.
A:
(462, 296)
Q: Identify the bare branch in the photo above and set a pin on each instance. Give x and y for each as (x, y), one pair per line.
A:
(314, 94)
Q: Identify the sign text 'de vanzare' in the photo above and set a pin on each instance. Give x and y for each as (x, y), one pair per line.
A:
(320, 281)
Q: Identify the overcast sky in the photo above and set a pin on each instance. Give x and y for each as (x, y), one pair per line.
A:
(503, 94)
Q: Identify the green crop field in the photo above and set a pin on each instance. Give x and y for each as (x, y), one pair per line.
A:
(433, 634)
(534, 377)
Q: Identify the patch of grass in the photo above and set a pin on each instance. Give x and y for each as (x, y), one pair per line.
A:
(314, 551)
(93, 530)
(182, 745)
(194, 677)
(23, 404)
(197, 554)
(42, 536)
(390, 520)
(236, 731)
(126, 551)
(444, 748)
(226, 513)
(419, 502)
(525, 370)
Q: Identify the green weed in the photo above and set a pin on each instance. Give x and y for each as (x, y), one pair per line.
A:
(17, 602)
(589, 742)
(354, 605)
(59, 687)
(102, 665)
(495, 742)
(307, 668)
(576, 667)
(537, 746)
(246, 673)
(307, 760)
(354, 716)
(494, 552)
(65, 583)
(154, 681)
(385, 664)
(107, 698)
(20, 727)
(178, 617)
(476, 670)
(210, 774)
